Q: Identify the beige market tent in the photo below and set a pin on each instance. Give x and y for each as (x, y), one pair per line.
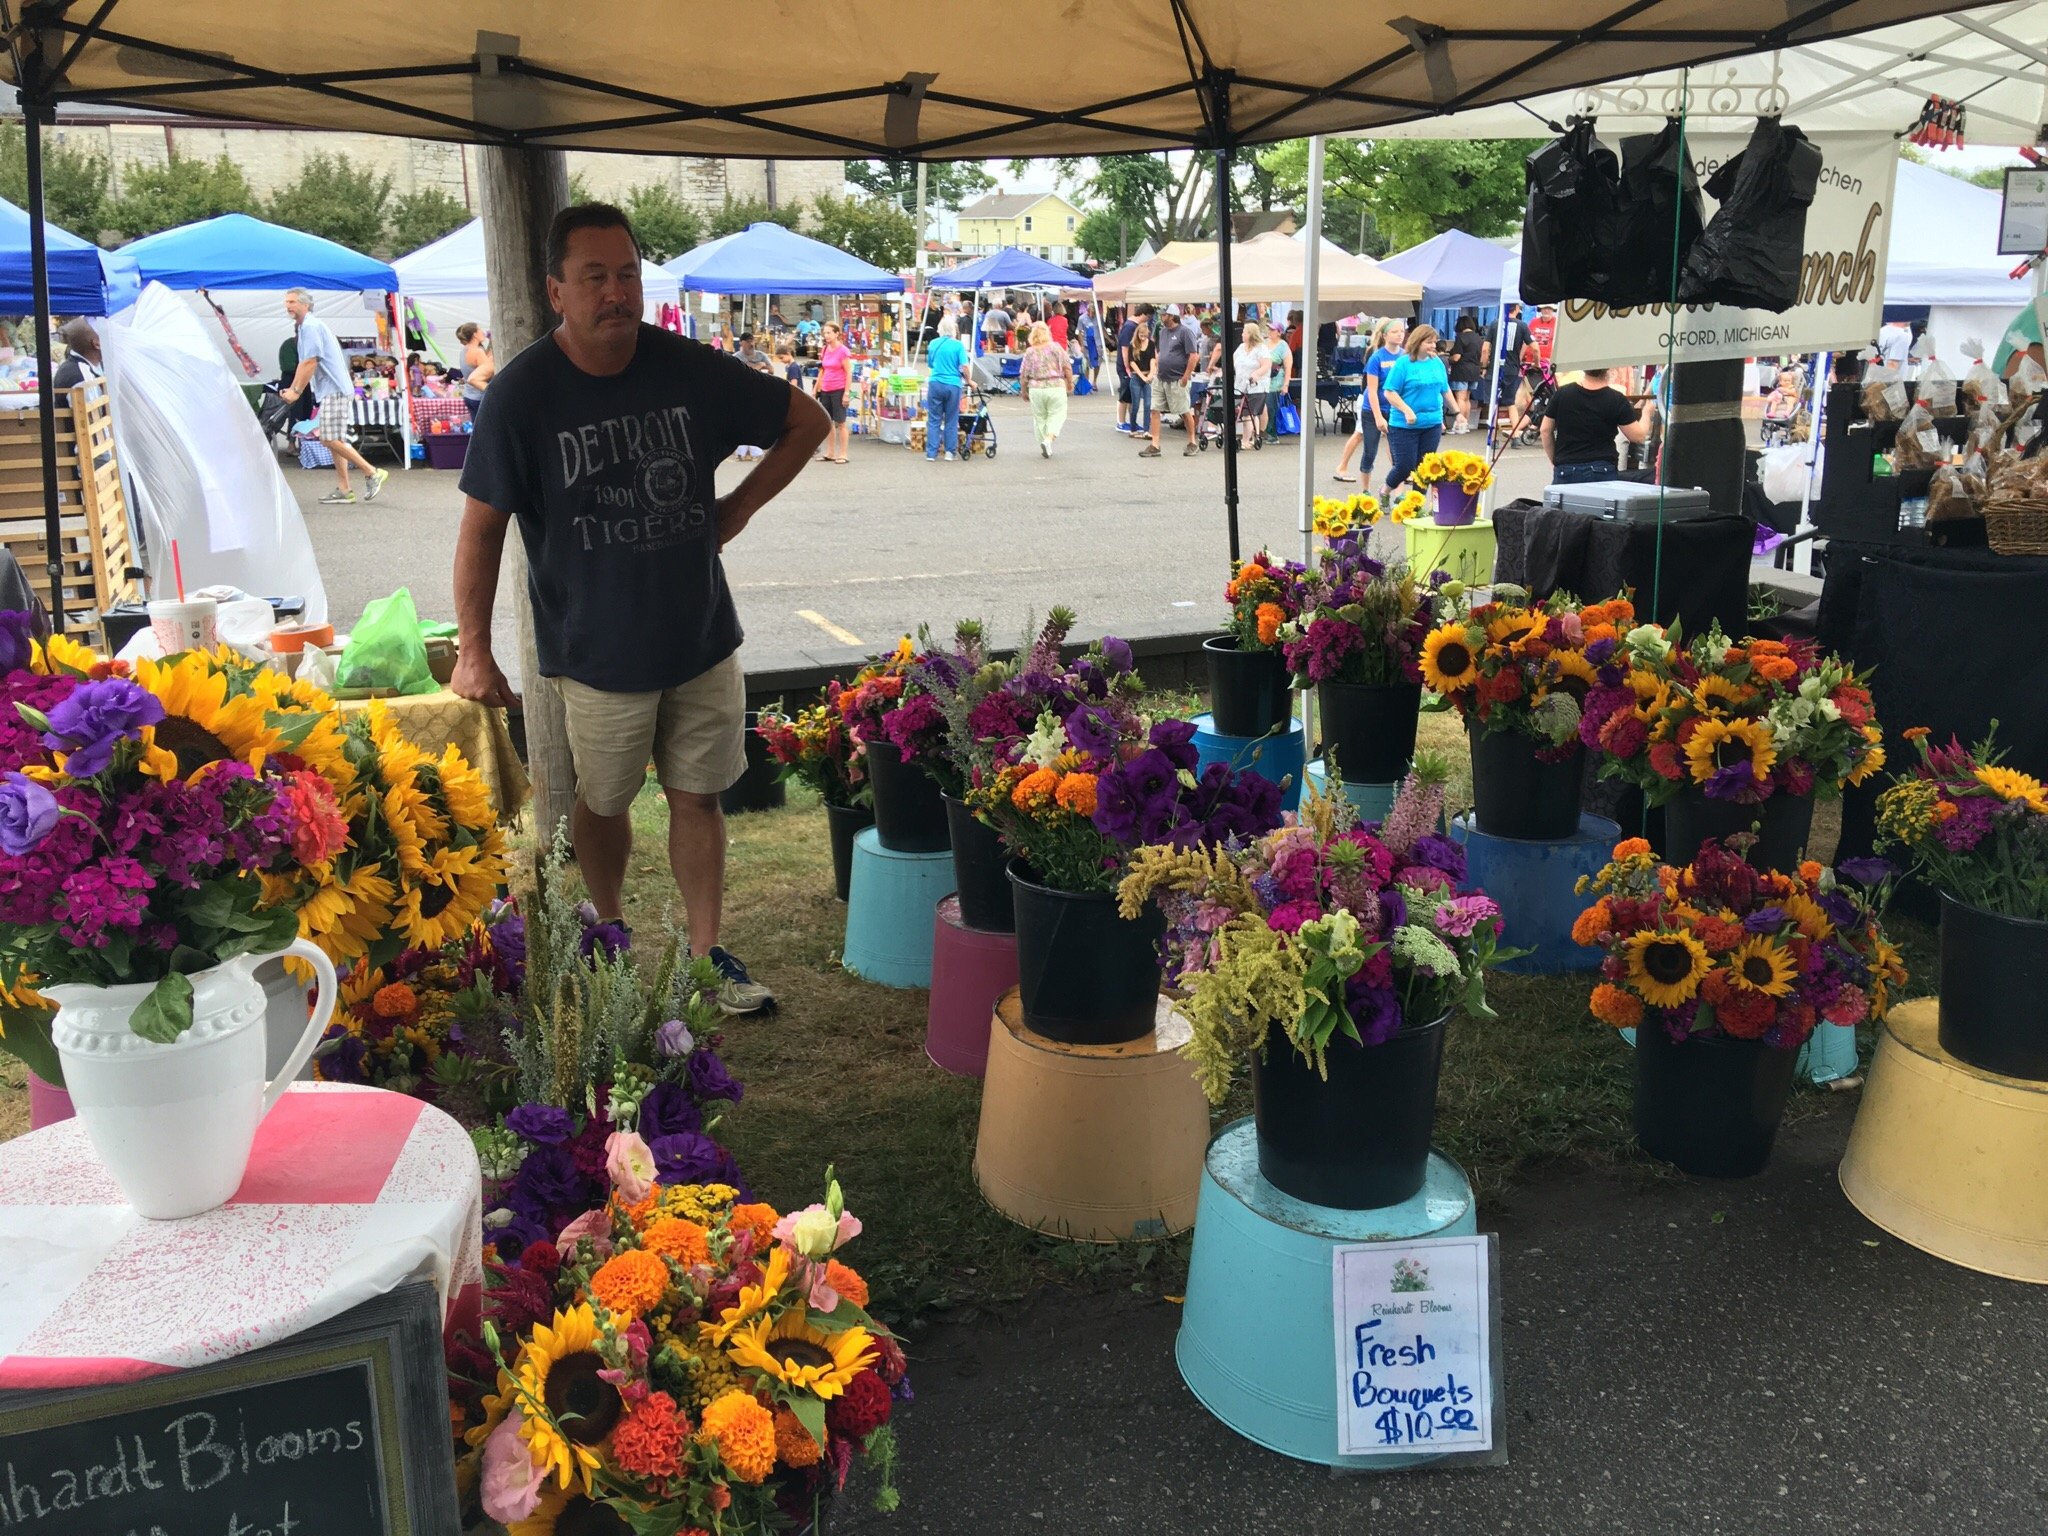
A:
(1111, 287)
(1268, 269)
(1180, 252)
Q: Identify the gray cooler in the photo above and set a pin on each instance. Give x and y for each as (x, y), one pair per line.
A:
(1628, 501)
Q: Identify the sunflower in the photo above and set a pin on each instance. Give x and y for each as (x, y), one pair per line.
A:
(803, 1357)
(453, 888)
(1666, 967)
(754, 1299)
(311, 730)
(1447, 660)
(63, 654)
(1716, 695)
(201, 724)
(464, 792)
(1514, 626)
(558, 1367)
(346, 919)
(1806, 913)
(1763, 965)
(1575, 674)
(2011, 784)
(1719, 744)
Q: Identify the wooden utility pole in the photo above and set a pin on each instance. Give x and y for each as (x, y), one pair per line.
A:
(521, 191)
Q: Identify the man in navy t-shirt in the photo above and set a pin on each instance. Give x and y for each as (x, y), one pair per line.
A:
(602, 439)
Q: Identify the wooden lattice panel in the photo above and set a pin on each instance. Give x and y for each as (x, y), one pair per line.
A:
(93, 522)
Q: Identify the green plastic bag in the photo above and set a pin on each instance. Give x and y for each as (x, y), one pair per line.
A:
(385, 650)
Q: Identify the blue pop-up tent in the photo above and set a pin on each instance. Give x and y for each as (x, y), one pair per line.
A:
(766, 258)
(1010, 268)
(84, 280)
(236, 251)
(1457, 271)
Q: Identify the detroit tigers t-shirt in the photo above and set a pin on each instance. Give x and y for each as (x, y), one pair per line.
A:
(611, 479)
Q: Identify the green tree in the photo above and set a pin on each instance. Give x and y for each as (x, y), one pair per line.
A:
(737, 214)
(1414, 188)
(947, 184)
(335, 199)
(180, 191)
(74, 181)
(664, 224)
(422, 217)
(872, 228)
(1107, 237)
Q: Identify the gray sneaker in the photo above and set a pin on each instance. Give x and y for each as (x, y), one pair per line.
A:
(376, 484)
(338, 498)
(738, 993)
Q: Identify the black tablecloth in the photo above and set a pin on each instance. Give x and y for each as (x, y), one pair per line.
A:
(1706, 562)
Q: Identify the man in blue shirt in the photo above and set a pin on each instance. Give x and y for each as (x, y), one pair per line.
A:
(324, 369)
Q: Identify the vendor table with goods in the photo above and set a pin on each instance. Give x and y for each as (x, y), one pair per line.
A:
(349, 1193)
(437, 720)
(427, 410)
(1705, 562)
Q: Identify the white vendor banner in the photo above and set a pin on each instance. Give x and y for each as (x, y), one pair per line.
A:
(1841, 287)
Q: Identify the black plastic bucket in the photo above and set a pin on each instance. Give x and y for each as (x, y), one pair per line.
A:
(910, 813)
(1369, 729)
(1248, 692)
(1710, 1106)
(1781, 824)
(1994, 990)
(1516, 794)
(981, 872)
(1359, 1140)
(760, 788)
(845, 821)
(1085, 976)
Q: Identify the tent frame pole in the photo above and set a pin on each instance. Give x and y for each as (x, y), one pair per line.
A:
(36, 111)
(1311, 326)
(1217, 84)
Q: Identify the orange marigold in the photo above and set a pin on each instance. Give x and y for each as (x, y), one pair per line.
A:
(1249, 571)
(794, 1446)
(744, 1433)
(1613, 1005)
(648, 1441)
(758, 1219)
(1916, 732)
(630, 1284)
(1035, 790)
(1590, 924)
(1719, 934)
(1777, 669)
(674, 1237)
(396, 1001)
(1077, 793)
(847, 1283)
(1270, 616)
(641, 1211)
(1809, 870)
(1630, 847)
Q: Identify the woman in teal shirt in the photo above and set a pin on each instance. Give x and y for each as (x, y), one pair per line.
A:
(948, 360)
(1414, 389)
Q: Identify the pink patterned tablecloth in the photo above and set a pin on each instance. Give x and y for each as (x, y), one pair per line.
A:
(428, 409)
(350, 1192)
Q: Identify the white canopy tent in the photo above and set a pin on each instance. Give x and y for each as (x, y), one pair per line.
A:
(1270, 268)
(445, 284)
(1944, 254)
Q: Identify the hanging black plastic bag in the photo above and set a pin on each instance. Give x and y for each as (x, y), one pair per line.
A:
(1568, 227)
(1751, 253)
(1659, 221)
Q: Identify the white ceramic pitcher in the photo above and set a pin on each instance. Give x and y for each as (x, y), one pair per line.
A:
(174, 1123)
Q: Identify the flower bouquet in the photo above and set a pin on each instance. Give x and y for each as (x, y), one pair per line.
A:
(1516, 672)
(1727, 970)
(1977, 831)
(1072, 810)
(1727, 734)
(1457, 479)
(678, 1359)
(1331, 953)
(1357, 639)
(896, 726)
(1248, 694)
(1336, 517)
(815, 747)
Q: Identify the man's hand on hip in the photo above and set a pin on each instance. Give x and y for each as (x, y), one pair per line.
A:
(478, 677)
(732, 519)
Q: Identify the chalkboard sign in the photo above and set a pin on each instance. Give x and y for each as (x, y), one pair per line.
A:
(340, 1431)
(1418, 1348)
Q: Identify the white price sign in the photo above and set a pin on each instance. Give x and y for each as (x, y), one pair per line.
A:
(1416, 1338)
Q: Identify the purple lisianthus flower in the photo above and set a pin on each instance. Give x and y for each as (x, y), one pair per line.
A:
(517, 1235)
(28, 813)
(668, 1111)
(710, 1080)
(1376, 1011)
(612, 938)
(17, 641)
(1176, 739)
(1092, 729)
(1439, 852)
(1765, 920)
(542, 1124)
(1867, 871)
(340, 1055)
(674, 1039)
(690, 1157)
(1736, 782)
(1840, 909)
(1393, 910)
(549, 1181)
(1601, 651)
(1118, 654)
(96, 717)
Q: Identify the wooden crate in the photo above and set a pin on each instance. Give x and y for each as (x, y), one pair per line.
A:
(93, 545)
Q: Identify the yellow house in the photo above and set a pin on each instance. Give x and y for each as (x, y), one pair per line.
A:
(1042, 223)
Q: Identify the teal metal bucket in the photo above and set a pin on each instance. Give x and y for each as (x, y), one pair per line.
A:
(889, 911)
(1373, 800)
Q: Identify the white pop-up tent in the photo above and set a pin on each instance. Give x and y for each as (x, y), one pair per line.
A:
(444, 283)
(1944, 255)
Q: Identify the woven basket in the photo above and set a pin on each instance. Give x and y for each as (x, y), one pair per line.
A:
(2016, 527)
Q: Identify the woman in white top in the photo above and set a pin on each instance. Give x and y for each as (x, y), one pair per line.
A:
(1253, 364)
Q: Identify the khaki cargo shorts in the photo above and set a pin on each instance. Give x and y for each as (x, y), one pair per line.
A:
(693, 733)
(1173, 399)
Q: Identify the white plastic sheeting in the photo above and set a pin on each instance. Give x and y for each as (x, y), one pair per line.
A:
(197, 462)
